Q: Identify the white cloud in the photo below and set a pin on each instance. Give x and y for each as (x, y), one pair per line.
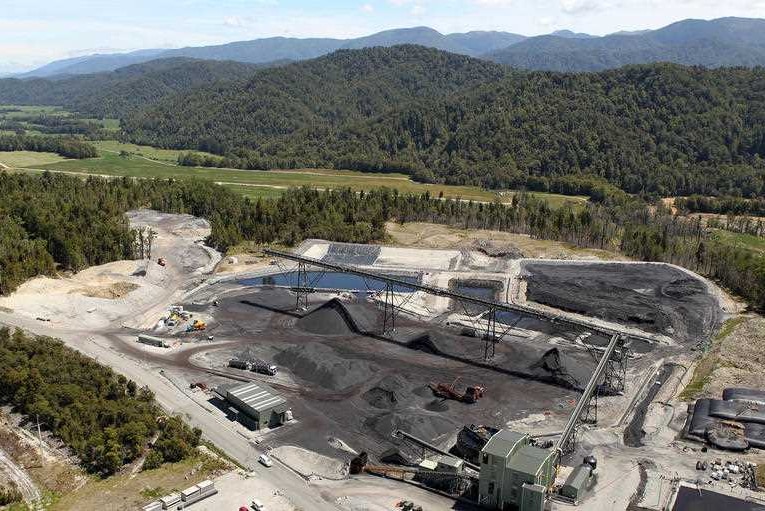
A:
(494, 3)
(585, 6)
(368, 8)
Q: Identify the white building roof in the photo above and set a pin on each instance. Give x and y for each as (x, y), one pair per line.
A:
(256, 397)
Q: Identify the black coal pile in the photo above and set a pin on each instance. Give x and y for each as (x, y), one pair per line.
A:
(551, 367)
(330, 318)
(655, 297)
(387, 393)
(323, 366)
(427, 426)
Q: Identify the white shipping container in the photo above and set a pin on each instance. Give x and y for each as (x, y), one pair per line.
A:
(206, 485)
(170, 500)
(190, 492)
(154, 506)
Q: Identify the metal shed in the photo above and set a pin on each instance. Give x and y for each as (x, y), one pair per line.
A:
(257, 405)
(577, 483)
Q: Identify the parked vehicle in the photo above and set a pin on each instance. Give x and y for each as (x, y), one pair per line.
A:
(258, 505)
(265, 460)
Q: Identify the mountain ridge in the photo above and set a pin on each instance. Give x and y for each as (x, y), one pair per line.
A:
(724, 42)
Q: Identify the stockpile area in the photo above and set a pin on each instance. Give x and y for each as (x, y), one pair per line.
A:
(362, 387)
(657, 298)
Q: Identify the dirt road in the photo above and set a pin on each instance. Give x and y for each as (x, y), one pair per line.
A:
(103, 345)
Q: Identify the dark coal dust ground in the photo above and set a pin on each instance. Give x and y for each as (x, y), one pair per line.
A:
(358, 387)
(654, 297)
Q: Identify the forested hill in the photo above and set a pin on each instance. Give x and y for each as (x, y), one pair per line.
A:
(321, 98)
(113, 94)
(715, 43)
(662, 129)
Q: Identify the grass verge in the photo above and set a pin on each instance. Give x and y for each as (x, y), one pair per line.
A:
(702, 373)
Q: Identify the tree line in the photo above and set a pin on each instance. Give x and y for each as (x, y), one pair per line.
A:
(722, 205)
(57, 219)
(104, 418)
(68, 147)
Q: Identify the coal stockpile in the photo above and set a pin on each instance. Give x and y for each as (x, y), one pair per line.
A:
(425, 425)
(634, 433)
(324, 367)
(691, 499)
(387, 393)
(355, 255)
(654, 297)
(338, 318)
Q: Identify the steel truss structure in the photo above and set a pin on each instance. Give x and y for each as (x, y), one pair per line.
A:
(486, 324)
(611, 369)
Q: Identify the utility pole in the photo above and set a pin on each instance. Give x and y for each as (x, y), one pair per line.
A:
(39, 437)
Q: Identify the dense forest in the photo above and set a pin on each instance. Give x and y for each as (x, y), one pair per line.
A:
(55, 219)
(657, 129)
(106, 419)
(114, 94)
(68, 147)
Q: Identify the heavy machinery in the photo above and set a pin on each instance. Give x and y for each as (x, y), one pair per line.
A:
(197, 325)
(263, 367)
(161, 261)
(446, 391)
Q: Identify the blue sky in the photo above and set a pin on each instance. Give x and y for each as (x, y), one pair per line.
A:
(33, 32)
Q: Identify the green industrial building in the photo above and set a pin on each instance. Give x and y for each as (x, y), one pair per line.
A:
(254, 405)
(514, 474)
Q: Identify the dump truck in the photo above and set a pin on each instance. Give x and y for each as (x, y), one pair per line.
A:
(238, 364)
(263, 367)
(447, 391)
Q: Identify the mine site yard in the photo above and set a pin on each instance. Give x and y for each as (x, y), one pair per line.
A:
(411, 385)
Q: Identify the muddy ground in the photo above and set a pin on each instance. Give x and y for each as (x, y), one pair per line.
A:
(654, 297)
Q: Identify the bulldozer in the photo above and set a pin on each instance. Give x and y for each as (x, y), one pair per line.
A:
(446, 391)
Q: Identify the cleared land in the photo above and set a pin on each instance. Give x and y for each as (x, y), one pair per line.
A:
(426, 235)
(15, 159)
(129, 491)
(747, 241)
(112, 164)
